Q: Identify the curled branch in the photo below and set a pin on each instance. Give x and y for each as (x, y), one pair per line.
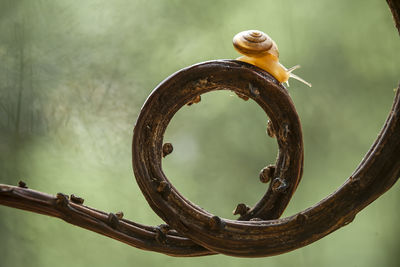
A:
(258, 232)
(376, 174)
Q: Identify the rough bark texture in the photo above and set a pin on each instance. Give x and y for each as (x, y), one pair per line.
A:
(376, 174)
(264, 234)
(179, 89)
(156, 238)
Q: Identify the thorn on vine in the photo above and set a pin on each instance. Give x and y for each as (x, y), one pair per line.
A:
(22, 184)
(113, 220)
(161, 233)
(77, 200)
(119, 215)
(62, 200)
(241, 209)
(267, 173)
(167, 149)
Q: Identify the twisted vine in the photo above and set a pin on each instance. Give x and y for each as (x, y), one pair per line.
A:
(192, 231)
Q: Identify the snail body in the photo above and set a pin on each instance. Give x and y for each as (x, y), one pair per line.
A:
(260, 50)
(270, 64)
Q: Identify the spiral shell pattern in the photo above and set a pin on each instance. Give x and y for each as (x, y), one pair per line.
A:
(252, 43)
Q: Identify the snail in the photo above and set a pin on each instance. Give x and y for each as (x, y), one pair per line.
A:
(260, 50)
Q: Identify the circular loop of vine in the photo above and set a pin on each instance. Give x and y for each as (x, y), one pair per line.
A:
(264, 234)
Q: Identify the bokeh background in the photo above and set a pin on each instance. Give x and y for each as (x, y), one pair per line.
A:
(74, 74)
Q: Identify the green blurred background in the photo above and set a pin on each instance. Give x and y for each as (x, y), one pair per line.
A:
(74, 74)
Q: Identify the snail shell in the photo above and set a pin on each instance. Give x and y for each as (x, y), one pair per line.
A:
(260, 50)
(254, 43)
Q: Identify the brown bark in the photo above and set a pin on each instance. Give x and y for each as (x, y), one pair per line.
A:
(394, 6)
(264, 235)
(376, 174)
(108, 224)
